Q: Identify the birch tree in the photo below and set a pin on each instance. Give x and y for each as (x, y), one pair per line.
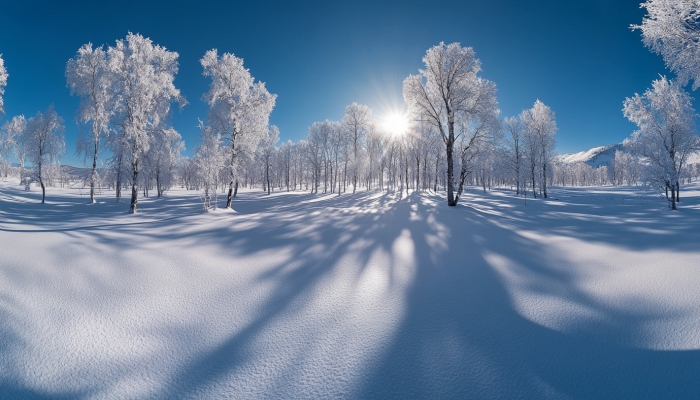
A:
(163, 156)
(88, 76)
(448, 94)
(13, 138)
(515, 149)
(541, 128)
(667, 132)
(143, 75)
(267, 152)
(209, 159)
(357, 121)
(239, 107)
(671, 29)
(45, 144)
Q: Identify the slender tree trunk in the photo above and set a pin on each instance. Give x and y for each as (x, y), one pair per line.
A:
(544, 178)
(673, 197)
(41, 181)
(119, 178)
(532, 172)
(417, 173)
(450, 170)
(134, 187)
(94, 171)
(235, 188)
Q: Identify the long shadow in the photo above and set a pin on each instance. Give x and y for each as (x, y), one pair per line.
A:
(463, 338)
(333, 232)
(461, 335)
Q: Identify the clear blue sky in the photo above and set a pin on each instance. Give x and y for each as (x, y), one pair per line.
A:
(579, 57)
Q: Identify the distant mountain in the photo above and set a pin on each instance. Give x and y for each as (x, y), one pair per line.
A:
(594, 157)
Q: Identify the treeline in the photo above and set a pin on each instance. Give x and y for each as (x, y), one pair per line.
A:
(454, 134)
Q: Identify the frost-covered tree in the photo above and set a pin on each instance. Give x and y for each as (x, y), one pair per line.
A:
(209, 159)
(541, 130)
(3, 83)
(143, 75)
(357, 121)
(667, 132)
(45, 144)
(163, 156)
(448, 94)
(88, 76)
(671, 29)
(514, 140)
(239, 107)
(267, 152)
(375, 151)
(13, 138)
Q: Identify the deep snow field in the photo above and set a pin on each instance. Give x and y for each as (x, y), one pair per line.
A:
(594, 293)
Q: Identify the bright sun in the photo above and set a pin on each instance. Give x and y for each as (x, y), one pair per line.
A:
(396, 123)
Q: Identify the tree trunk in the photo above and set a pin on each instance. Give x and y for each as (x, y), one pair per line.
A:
(119, 179)
(673, 197)
(92, 178)
(134, 188)
(417, 173)
(534, 188)
(544, 179)
(450, 170)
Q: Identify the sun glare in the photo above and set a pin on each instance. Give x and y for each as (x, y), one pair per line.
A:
(396, 123)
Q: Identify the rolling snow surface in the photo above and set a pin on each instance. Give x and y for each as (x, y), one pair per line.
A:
(592, 293)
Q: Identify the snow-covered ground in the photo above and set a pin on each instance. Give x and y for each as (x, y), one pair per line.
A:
(594, 293)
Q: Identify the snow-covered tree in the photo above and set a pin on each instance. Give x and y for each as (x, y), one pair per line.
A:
(143, 75)
(209, 159)
(88, 76)
(163, 156)
(448, 94)
(13, 138)
(357, 121)
(541, 129)
(3, 83)
(239, 108)
(667, 132)
(45, 144)
(375, 151)
(514, 151)
(671, 29)
(267, 152)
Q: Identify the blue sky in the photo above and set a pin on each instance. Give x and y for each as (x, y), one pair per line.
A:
(578, 57)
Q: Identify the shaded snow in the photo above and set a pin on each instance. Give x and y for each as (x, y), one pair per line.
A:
(591, 294)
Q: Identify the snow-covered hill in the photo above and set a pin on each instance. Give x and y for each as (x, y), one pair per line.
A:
(594, 157)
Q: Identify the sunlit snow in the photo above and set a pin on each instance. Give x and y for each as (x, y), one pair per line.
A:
(592, 293)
